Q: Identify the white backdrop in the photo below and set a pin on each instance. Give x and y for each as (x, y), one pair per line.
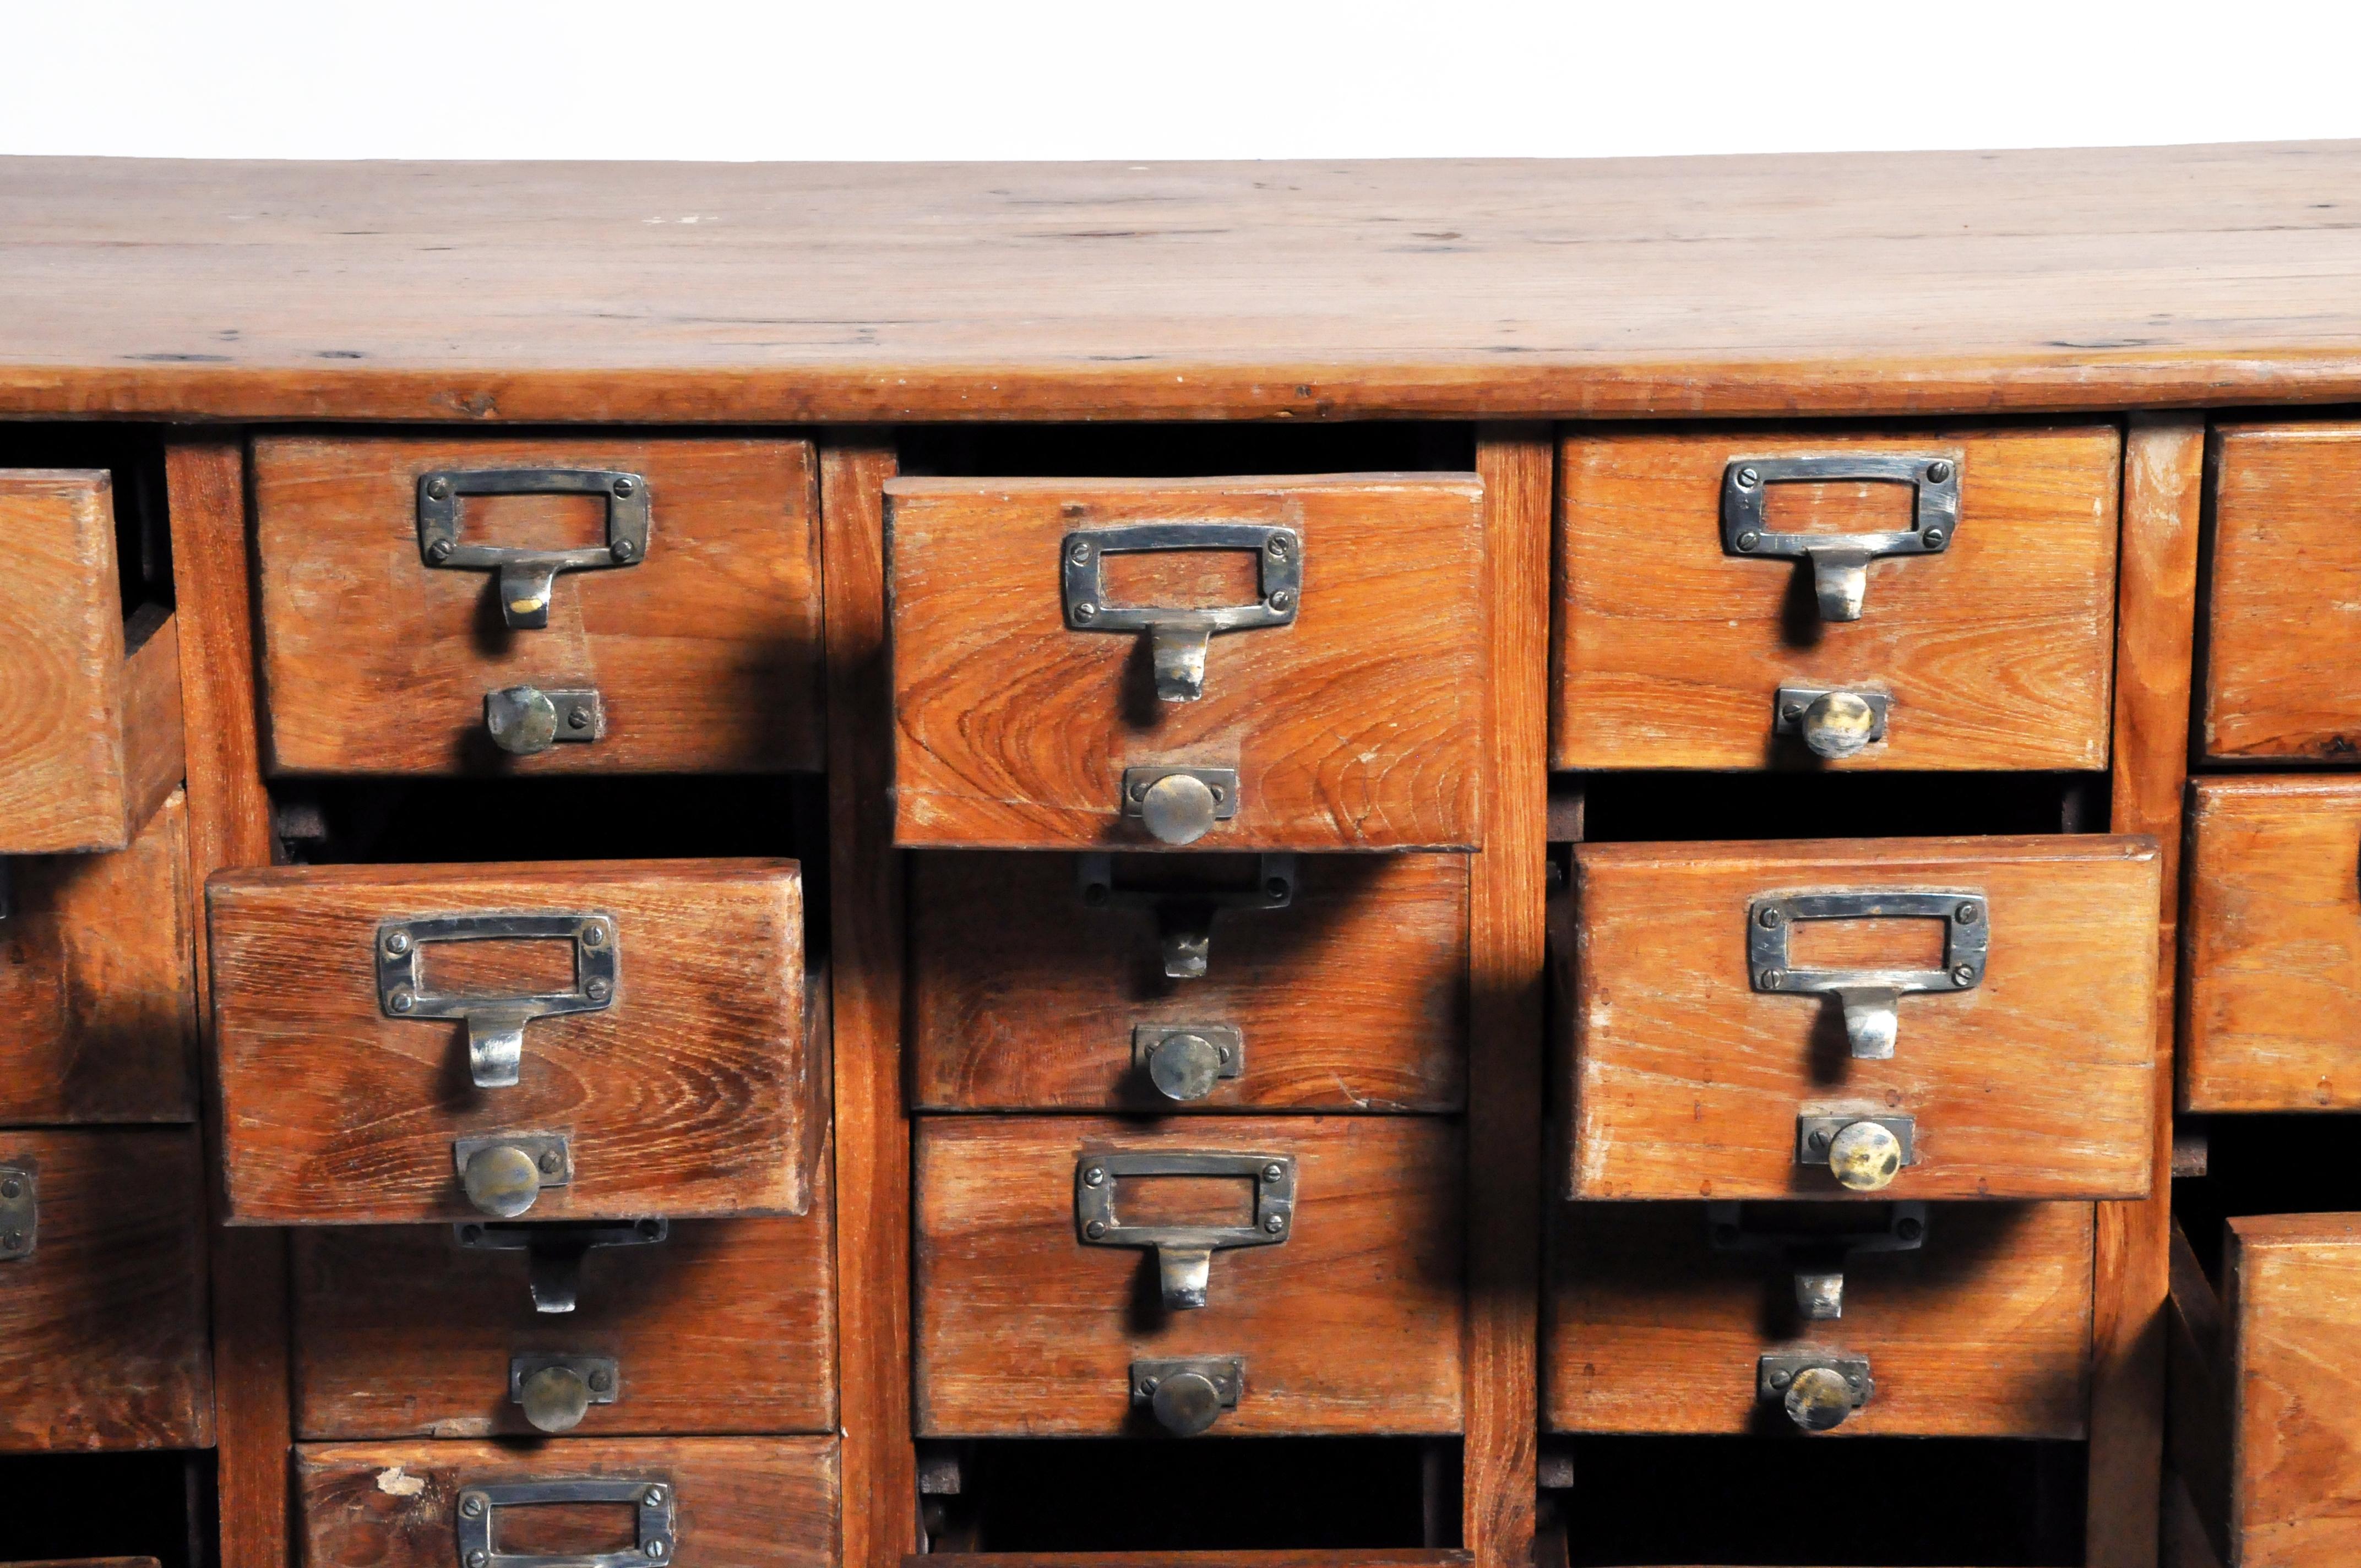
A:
(1156, 79)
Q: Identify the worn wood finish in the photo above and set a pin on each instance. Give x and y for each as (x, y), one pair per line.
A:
(1352, 1324)
(2037, 1082)
(97, 985)
(748, 1502)
(706, 653)
(866, 936)
(2156, 630)
(2273, 946)
(1353, 727)
(90, 732)
(725, 1327)
(1996, 652)
(1353, 997)
(103, 1330)
(1982, 1331)
(692, 1095)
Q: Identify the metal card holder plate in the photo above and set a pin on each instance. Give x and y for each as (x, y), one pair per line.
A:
(1184, 917)
(652, 1504)
(1184, 1254)
(527, 577)
(1869, 996)
(1818, 1258)
(555, 1249)
(1178, 635)
(20, 1211)
(496, 1024)
(1839, 562)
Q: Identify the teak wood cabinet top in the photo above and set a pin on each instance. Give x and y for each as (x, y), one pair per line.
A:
(900, 424)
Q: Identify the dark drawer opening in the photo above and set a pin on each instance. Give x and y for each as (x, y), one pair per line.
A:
(2230, 1167)
(1183, 451)
(154, 1504)
(1687, 807)
(133, 457)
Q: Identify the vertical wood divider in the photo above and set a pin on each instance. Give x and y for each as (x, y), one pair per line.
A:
(873, 1135)
(2156, 616)
(229, 824)
(1506, 915)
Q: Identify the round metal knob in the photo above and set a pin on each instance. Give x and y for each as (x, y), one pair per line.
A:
(1865, 1156)
(522, 719)
(502, 1180)
(556, 1398)
(1820, 1399)
(1184, 1066)
(1186, 1403)
(1838, 724)
(1178, 809)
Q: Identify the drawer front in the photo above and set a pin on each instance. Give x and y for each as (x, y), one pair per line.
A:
(1344, 714)
(746, 1502)
(90, 726)
(103, 1320)
(2273, 946)
(698, 1326)
(2294, 1309)
(1330, 983)
(670, 1073)
(1732, 1001)
(1682, 645)
(1350, 1324)
(97, 985)
(702, 646)
(1984, 1331)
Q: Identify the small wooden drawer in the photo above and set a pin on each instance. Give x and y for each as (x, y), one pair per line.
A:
(104, 1342)
(98, 984)
(1928, 1018)
(1199, 982)
(90, 722)
(2272, 942)
(745, 1502)
(406, 586)
(597, 1041)
(1290, 664)
(1689, 1318)
(716, 1327)
(1750, 598)
(1056, 1257)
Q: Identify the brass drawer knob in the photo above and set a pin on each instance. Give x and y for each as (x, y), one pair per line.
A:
(1820, 1388)
(525, 721)
(1866, 1157)
(1187, 1396)
(1184, 1066)
(556, 1398)
(502, 1180)
(1818, 1400)
(1839, 724)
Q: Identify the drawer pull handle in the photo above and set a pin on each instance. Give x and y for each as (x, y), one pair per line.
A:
(557, 1391)
(1187, 1396)
(652, 1508)
(1870, 997)
(1839, 562)
(1179, 805)
(20, 1211)
(1184, 1254)
(1818, 1389)
(1178, 637)
(525, 721)
(1834, 724)
(1863, 1149)
(527, 578)
(1184, 919)
(495, 1023)
(503, 1175)
(554, 1251)
(1187, 1062)
(1818, 1258)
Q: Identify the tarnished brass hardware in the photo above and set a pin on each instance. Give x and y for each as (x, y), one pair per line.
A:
(1184, 1061)
(1184, 1254)
(525, 721)
(496, 1024)
(1184, 919)
(1835, 724)
(1869, 998)
(1864, 1151)
(554, 1250)
(1178, 638)
(1839, 562)
(1818, 1389)
(557, 1391)
(1817, 1258)
(503, 1175)
(20, 1211)
(1179, 805)
(1187, 1396)
(528, 578)
(651, 1498)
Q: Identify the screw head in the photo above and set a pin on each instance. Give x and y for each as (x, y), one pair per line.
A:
(1964, 973)
(1748, 540)
(601, 1380)
(1148, 1386)
(472, 1506)
(1219, 794)
(655, 1550)
(1771, 979)
(623, 550)
(1781, 1379)
(1094, 1176)
(12, 1188)
(1965, 914)
(1278, 548)
(439, 550)
(1769, 917)
(594, 935)
(598, 990)
(1934, 537)
(655, 1498)
(471, 1234)
(1086, 610)
(397, 942)
(551, 1162)
(1909, 1229)
(1137, 790)
(402, 1002)
(438, 489)
(1080, 552)
(1095, 1229)
(1819, 1139)
(1282, 600)
(1939, 470)
(1747, 479)
(578, 717)
(1269, 1173)
(1791, 711)
(1276, 1223)
(1277, 887)
(13, 1241)
(623, 485)
(476, 1559)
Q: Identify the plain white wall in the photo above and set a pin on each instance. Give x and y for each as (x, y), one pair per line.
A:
(911, 78)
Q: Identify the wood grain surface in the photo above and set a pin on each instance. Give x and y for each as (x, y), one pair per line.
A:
(1996, 652)
(1351, 1326)
(1351, 998)
(2272, 945)
(1850, 283)
(1353, 728)
(691, 1096)
(98, 986)
(103, 1341)
(706, 653)
(746, 1502)
(1983, 1331)
(2292, 1298)
(2037, 1082)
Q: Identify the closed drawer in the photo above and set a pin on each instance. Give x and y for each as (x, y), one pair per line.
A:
(90, 724)
(2273, 946)
(1927, 1017)
(97, 983)
(1030, 1323)
(103, 1322)
(746, 1502)
(1982, 1330)
(1084, 666)
(601, 1041)
(647, 1326)
(683, 622)
(1705, 580)
(1329, 982)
